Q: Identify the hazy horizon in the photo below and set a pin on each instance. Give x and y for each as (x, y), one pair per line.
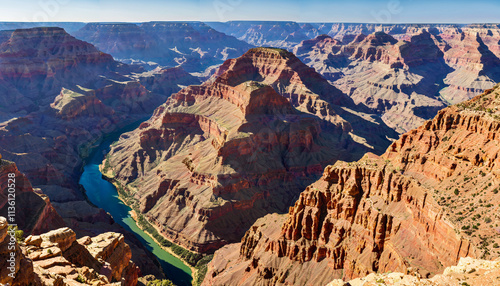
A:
(317, 11)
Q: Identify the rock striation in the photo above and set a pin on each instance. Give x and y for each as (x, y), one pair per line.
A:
(40, 216)
(420, 207)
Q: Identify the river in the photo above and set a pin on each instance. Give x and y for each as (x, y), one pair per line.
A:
(104, 195)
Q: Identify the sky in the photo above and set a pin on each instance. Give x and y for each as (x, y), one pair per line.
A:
(365, 11)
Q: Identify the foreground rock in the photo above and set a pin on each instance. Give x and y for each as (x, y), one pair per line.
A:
(19, 269)
(469, 271)
(419, 208)
(57, 258)
(100, 260)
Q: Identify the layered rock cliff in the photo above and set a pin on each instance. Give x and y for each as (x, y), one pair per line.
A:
(420, 207)
(217, 156)
(397, 79)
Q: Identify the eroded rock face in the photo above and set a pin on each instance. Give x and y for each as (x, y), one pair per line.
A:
(40, 61)
(420, 207)
(219, 155)
(82, 94)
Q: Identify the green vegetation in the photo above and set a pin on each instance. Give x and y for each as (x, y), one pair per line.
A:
(160, 283)
(197, 260)
(49, 251)
(106, 164)
(202, 267)
(19, 233)
(80, 279)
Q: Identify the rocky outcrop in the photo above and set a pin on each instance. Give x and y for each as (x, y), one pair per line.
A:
(420, 207)
(69, 105)
(235, 146)
(58, 257)
(469, 271)
(15, 269)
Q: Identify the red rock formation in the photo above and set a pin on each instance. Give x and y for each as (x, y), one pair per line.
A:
(70, 105)
(39, 61)
(236, 146)
(419, 207)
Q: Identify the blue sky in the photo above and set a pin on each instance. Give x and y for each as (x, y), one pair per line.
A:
(376, 11)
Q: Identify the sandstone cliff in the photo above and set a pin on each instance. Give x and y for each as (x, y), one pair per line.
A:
(34, 212)
(420, 207)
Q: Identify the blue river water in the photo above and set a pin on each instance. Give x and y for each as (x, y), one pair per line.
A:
(104, 195)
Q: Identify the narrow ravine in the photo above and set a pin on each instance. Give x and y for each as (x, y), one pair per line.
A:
(104, 195)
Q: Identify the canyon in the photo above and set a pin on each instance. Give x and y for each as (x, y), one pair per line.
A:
(338, 152)
(51, 253)
(406, 72)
